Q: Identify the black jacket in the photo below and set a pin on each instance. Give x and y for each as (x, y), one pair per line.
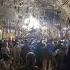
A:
(29, 68)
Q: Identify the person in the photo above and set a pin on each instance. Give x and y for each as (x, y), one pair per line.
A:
(67, 60)
(50, 55)
(5, 62)
(30, 62)
(59, 59)
(39, 54)
(24, 50)
(59, 55)
(0, 49)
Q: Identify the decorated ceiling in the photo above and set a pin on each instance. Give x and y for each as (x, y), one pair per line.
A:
(17, 10)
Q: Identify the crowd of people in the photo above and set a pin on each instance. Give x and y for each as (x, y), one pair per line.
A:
(35, 54)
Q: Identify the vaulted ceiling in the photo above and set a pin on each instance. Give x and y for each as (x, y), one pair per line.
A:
(16, 10)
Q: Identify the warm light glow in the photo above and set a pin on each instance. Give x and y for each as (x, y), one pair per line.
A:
(11, 37)
(0, 31)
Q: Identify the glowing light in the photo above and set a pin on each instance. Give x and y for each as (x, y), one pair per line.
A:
(0, 31)
(26, 21)
(34, 23)
(31, 22)
(44, 28)
(11, 37)
(65, 28)
(25, 27)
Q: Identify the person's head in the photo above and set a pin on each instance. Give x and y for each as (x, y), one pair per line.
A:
(6, 57)
(1, 44)
(30, 59)
(69, 50)
(25, 41)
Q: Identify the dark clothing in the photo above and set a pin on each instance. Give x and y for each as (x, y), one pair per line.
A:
(29, 68)
(67, 60)
(50, 48)
(39, 54)
(24, 50)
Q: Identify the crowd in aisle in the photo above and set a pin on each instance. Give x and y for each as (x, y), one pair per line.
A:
(35, 54)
